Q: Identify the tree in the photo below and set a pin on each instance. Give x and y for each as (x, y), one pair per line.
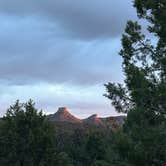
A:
(143, 94)
(26, 137)
(100, 163)
(94, 148)
(144, 63)
(63, 160)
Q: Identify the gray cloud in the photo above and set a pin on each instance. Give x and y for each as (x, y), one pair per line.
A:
(61, 41)
(57, 42)
(31, 52)
(81, 19)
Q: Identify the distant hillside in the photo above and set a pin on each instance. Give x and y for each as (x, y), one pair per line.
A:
(63, 115)
(64, 120)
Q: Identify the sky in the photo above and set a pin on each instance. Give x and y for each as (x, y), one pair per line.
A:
(61, 53)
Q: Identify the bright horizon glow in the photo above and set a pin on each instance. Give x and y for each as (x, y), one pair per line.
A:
(49, 98)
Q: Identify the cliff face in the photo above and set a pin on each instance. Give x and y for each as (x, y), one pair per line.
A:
(93, 120)
(64, 119)
(62, 115)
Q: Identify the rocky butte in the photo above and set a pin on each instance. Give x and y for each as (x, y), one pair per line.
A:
(64, 119)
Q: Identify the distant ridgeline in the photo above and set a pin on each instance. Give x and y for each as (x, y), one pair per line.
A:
(64, 119)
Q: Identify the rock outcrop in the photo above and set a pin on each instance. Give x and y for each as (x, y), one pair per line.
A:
(63, 117)
(93, 120)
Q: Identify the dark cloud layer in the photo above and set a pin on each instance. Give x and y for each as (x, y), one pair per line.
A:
(30, 51)
(61, 41)
(82, 19)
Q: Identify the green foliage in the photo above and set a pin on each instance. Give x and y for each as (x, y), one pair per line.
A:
(95, 147)
(144, 63)
(26, 137)
(88, 148)
(143, 95)
(62, 159)
(100, 163)
(120, 99)
(143, 140)
(155, 12)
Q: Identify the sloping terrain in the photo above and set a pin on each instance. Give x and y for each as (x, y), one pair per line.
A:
(62, 115)
(65, 121)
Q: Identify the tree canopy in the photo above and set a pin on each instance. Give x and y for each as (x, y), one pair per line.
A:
(143, 94)
(27, 138)
(144, 63)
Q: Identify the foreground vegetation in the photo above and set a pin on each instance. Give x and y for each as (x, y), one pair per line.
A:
(28, 139)
(143, 96)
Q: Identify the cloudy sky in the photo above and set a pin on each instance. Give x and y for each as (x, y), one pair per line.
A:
(61, 52)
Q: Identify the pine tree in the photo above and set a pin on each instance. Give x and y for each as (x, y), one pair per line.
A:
(26, 137)
(143, 94)
(144, 63)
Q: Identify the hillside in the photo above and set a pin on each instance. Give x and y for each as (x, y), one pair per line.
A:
(64, 120)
